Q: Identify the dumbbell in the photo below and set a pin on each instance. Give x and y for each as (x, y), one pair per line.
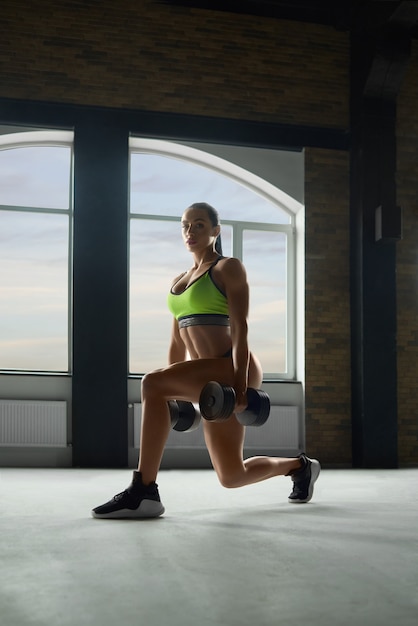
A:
(184, 416)
(217, 402)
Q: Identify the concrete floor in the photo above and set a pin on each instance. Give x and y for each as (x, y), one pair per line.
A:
(233, 558)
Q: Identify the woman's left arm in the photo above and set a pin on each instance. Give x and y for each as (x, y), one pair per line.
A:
(237, 292)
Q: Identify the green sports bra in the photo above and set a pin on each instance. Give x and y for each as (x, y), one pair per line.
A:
(201, 297)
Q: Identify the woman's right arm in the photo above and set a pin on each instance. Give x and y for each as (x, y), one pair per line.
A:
(177, 349)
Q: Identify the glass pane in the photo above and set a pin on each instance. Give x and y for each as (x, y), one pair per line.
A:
(36, 176)
(264, 257)
(226, 239)
(163, 185)
(34, 291)
(157, 256)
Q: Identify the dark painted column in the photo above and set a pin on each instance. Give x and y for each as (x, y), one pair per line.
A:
(100, 294)
(374, 377)
(377, 63)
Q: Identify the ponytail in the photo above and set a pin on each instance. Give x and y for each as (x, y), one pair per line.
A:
(218, 245)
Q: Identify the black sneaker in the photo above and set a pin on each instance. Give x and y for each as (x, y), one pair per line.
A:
(136, 501)
(304, 479)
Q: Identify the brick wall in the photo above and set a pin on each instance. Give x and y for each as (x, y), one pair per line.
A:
(407, 264)
(327, 306)
(142, 55)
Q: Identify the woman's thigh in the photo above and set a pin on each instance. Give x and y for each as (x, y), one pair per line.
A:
(185, 380)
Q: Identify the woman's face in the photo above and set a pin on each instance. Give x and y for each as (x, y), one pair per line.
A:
(197, 230)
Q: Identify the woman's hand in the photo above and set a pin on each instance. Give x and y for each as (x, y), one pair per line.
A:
(241, 401)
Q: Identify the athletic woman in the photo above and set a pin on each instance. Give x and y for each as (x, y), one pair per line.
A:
(209, 304)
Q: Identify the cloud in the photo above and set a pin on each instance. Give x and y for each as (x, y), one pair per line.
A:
(35, 176)
(262, 310)
(31, 342)
(165, 185)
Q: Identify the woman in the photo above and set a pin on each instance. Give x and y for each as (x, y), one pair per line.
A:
(210, 307)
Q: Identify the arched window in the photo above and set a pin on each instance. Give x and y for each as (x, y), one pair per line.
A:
(35, 250)
(258, 226)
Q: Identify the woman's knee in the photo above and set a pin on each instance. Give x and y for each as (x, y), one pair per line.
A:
(151, 382)
(231, 479)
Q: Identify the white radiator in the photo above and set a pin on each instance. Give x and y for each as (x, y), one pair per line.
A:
(33, 423)
(282, 431)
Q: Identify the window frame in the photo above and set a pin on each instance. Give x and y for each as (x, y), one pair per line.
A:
(48, 138)
(263, 188)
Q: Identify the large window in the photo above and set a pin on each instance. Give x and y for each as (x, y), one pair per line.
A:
(35, 250)
(257, 221)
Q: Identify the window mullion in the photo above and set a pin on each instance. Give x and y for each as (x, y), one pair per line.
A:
(237, 248)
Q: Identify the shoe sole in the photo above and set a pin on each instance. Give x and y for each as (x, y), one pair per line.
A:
(146, 510)
(315, 471)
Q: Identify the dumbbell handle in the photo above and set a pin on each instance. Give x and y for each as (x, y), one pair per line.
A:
(217, 403)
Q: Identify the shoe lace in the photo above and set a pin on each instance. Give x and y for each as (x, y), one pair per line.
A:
(120, 495)
(131, 491)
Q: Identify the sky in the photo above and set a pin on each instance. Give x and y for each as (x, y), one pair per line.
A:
(34, 257)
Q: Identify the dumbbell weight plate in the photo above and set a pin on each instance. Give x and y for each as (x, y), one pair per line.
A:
(217, 402)
(189, 417)
(184, 416)
(174, 412)
(258, 408)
